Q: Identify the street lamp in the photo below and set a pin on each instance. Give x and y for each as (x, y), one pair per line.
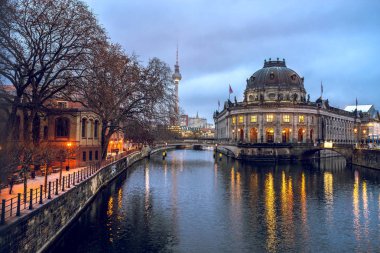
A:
(69, 144)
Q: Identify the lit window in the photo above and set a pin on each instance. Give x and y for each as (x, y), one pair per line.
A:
(301, 119)
(286, 118)
(269, 117)
(241, 119)
(233, 120)
(253, 118)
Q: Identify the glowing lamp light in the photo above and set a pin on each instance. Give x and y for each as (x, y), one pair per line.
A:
(69, 144)
(355, 130)
(303, 131)
(364, 131)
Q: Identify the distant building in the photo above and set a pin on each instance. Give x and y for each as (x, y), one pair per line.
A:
(184, 120)
(370, 122)
(197, 122)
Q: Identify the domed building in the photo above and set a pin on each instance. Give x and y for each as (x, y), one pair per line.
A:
(277, 109)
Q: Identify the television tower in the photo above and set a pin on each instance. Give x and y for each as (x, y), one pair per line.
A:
(176, 78)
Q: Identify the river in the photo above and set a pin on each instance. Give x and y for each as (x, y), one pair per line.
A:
(190, 203)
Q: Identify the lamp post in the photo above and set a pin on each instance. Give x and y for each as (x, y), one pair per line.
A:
(69, 144)
(356, 136)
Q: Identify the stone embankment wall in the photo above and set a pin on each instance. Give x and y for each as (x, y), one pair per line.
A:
(36, 230)
(367, 158)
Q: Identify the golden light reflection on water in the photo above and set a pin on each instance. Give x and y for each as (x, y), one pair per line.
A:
(119, 203)
(329, 194)
(287, 207)
(270, 213)
(110, 207)
(236, 211)
(365, 207)
(355, 198)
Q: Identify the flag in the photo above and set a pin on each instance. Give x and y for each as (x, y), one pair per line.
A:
(218, 102)
(321, 88)
(231, 91)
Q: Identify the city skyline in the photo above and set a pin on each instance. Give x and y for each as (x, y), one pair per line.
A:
(222, 43)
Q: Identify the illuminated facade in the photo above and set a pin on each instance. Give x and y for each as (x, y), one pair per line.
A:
(70, 127)
(276, 109)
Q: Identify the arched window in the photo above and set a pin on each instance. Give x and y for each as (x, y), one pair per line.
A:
(46, 133)
(84, 127)
(253, 135)
(96, 128)
(91, 133)
(62, 127)
(269, 134)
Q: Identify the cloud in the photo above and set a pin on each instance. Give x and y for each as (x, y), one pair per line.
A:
(225, 41)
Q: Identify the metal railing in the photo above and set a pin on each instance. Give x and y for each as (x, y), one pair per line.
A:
(33, 198)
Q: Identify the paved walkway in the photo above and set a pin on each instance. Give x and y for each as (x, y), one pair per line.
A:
(40, 180)
(34, 183)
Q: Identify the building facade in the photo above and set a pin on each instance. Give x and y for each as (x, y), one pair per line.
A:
(277, 109)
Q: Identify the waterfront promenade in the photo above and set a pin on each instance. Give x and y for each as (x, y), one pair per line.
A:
(18, 203)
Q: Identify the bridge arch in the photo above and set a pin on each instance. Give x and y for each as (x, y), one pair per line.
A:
(346, 152)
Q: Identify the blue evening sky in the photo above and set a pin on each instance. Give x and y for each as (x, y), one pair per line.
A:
(223, 42)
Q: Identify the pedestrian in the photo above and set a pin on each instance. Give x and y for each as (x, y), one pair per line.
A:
(11, 183)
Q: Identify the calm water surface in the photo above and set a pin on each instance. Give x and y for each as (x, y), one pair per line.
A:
(189, 203)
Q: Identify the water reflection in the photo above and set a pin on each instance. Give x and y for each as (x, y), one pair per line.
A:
(355, 198)
(329, 196)
(192, 203)
(270, 213)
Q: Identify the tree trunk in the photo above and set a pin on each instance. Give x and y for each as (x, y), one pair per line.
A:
(26, 123)
(25, 183)
(105, 138)
(60, 173)
(35, 127)
(8, 135)
(46, 175)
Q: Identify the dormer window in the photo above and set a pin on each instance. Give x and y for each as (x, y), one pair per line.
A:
(293, 77)
(62, 104)
(271, 76)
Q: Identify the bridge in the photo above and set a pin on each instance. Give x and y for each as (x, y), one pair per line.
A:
(277, 151)
(281, 151)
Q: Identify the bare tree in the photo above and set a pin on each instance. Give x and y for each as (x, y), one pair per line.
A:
(119, 89)
(43, 46)
(45, 156)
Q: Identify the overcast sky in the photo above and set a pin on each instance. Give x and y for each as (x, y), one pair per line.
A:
(223, 42)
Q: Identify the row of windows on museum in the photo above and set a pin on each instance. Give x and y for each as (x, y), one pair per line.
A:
(62, 128)
(270, 118)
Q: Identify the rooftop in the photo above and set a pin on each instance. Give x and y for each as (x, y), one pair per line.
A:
(363, 108)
